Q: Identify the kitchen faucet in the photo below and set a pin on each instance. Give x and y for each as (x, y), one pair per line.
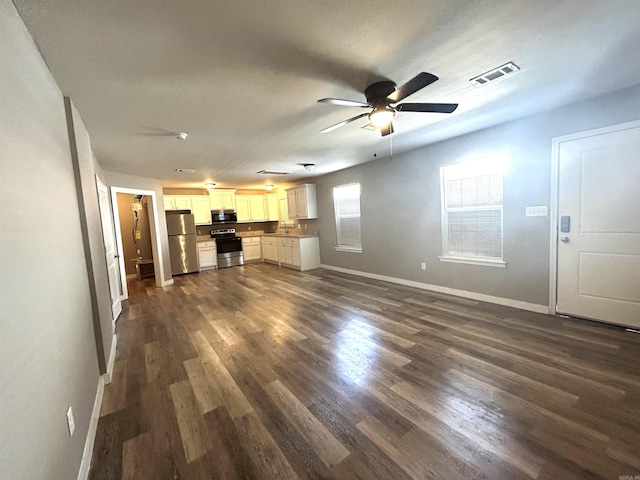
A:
(284, 225)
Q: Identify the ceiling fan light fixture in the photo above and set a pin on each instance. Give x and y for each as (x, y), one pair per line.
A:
(181, 135)
(381, 117)
(268, 188)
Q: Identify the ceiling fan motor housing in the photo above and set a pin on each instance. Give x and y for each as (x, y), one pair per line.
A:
(377, 93)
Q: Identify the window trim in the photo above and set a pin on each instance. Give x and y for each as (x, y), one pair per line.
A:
(444, 216)
(344, 247)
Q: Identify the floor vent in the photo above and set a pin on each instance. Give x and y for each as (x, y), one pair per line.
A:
(495, 74)
(272, 172)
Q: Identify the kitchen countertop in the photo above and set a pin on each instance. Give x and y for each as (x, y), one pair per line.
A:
(204, 238)
(207, 238)
(291, 234)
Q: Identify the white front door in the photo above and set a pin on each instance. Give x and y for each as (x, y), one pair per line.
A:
(598, 248)
(111, 254)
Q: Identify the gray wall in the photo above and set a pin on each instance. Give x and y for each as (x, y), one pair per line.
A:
(48, 358)
(86, 170)
(400, 203)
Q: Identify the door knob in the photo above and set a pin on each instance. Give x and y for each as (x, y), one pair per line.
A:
(116, 256)
(564, 239)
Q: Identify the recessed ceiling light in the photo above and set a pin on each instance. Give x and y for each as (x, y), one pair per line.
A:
(210, 185)
(268, 188)
(495, 74)
(185, 170)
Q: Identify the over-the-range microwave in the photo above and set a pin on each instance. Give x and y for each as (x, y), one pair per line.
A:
(223, 216)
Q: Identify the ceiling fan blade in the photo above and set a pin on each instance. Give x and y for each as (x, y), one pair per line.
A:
(338, 125)
(412, 86)
(388, 130)
(343, 103)
(427, 107)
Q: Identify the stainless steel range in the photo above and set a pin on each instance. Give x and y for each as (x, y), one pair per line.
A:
(229, 247)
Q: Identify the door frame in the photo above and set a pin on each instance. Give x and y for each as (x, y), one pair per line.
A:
(553, 217)
(155, 239)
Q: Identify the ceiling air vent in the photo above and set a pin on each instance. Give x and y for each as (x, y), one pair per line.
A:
(495, 74)
(272, 172)
(185, 170)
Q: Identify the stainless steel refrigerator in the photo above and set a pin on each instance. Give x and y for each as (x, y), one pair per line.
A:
(181, 228)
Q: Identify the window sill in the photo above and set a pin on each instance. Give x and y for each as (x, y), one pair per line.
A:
(486, 262)
(342, 248)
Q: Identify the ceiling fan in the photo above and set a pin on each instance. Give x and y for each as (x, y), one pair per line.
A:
(381, 95)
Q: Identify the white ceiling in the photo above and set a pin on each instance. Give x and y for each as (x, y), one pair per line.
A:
(242, 77)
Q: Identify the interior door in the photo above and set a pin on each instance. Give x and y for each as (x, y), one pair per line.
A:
(598, 252)
(110, 251)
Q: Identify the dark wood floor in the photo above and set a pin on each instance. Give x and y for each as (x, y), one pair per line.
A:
(259, 372)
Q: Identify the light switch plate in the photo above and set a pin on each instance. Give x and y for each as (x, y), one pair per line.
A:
(539, 211)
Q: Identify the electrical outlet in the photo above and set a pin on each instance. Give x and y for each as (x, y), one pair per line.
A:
(305, 226)
(298, 226)
(423, 265)
(249, 227)
(70, 421)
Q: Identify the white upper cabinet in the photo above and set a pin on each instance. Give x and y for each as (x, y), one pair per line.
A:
(250, 208)
(301, 202)
(243, 208)
(177, 202)
(198, 205)
(257, 208)
(201, 209)
(271, 207)
(222, 199)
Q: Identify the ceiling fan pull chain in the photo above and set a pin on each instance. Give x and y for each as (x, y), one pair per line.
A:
(374, 145)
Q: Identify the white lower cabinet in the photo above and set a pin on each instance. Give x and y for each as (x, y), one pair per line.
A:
(270, 249)
(207, 255)
(251, 248)
(302, 253)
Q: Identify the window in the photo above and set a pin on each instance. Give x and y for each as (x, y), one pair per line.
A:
(346, 202)
(471, 194)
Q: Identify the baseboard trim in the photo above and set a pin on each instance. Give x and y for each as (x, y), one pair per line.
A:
(507, 302)
(85, 465)
(167, 283)
(112, 358)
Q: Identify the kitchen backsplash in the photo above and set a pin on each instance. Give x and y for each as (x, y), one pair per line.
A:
(266, 227)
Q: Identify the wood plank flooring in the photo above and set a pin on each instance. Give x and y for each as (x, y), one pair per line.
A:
(259, 372)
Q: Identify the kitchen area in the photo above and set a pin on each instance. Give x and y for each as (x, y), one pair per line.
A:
(223, 227)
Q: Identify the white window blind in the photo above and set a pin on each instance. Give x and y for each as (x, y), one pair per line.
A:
(346, 202)
(472, 211)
